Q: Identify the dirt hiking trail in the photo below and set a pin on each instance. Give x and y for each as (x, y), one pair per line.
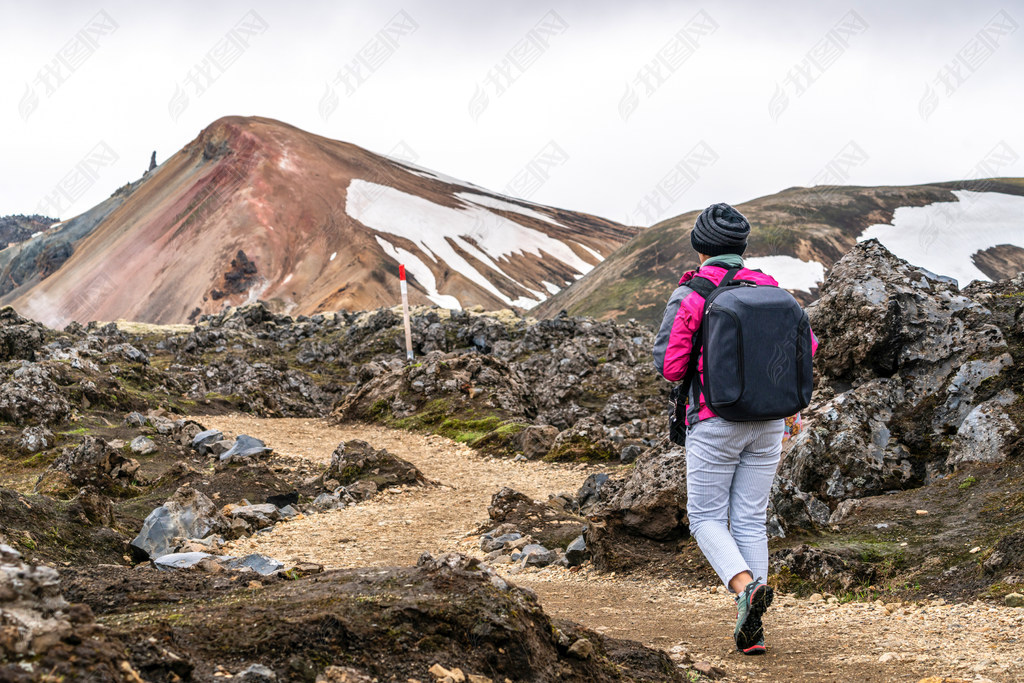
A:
(807, 641)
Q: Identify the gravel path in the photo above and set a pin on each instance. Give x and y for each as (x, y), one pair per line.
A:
(396, 527)
(807, 641)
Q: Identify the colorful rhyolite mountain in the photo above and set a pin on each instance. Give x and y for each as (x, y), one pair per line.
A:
(256, 209)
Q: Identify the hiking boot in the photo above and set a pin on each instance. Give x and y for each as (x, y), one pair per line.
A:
(755, 649)
(750, 606)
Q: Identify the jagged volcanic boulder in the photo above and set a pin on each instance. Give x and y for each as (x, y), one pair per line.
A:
(823, 569)
(33, 613)
(878, 315)
(20, 337)
(93, 463)
(357, 461)
(30, 395)
(464, 380)
(904, 359)
(43, 638)
(188, 514)
(547, 523)
(640, 513)
(1007, 556)
(986, 434)
(535, 441)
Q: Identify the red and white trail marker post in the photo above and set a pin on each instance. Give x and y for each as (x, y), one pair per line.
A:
(405, 311)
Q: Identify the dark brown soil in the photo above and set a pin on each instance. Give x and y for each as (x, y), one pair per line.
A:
(392, 623)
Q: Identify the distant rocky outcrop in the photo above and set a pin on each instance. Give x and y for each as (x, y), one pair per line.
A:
(1000, 262)
(18, 228)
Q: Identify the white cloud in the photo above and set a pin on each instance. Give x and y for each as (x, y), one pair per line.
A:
(571, 94)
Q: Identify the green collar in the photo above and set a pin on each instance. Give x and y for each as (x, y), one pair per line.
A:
(725, 261)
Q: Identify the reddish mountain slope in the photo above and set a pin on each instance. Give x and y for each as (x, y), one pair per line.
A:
(255, 208)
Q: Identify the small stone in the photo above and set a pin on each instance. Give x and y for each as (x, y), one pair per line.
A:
(535, 555)
(707, 669)
(477, 678)
(576, 553)
(456, 675)
(142, 445)
(179, 560)
(491, 544)
(201, 440)
(216, 448)
(326, 501)
(343, 674)
(1014, 600)
(135, 419)
(36, 438)
(888, 657)
(921, 512)
(245, 447)
(582, 649)
(257, 673)
(975, 549)
(815, 597)
(261, 564)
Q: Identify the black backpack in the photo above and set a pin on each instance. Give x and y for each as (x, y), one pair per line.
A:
(756, 341)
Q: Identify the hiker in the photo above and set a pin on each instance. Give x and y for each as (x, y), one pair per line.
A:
(731, 463)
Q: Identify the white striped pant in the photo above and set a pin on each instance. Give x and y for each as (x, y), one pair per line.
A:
(730, 467)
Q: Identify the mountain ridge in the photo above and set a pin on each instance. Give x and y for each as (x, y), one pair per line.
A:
(163, 250)
(808, 225)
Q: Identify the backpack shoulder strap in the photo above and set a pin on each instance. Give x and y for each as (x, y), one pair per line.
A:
(704, 287)
(701, 285)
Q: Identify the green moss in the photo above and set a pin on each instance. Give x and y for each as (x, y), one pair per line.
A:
(380, 409)
(967, 483)
(578, 449)
(40, 459)
(467, 431)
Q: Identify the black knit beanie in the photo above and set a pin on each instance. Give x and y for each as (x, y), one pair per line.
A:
(720, 229)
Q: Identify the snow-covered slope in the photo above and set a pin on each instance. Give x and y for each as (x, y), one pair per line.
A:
(790, 272)
(469, 238)
(944, 237)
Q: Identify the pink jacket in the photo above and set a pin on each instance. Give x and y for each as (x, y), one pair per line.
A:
(682, 318)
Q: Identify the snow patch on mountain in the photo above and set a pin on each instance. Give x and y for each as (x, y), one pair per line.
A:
(502, 205)
(419, 270)
(437, 230)
(942, 237)
(790, 272)
(593, 253)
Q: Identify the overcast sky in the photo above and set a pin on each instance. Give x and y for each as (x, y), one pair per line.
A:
(633, 111)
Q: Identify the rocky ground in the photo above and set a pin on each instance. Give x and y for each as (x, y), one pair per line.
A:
(254, 496)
